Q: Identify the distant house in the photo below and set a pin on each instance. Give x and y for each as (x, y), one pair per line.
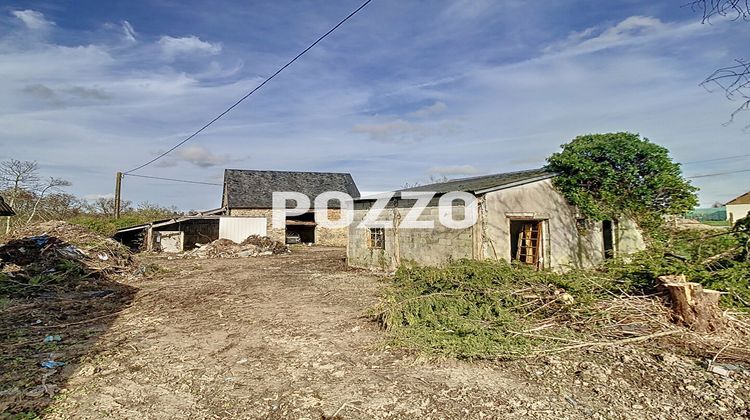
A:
(520, 216)
(249, 194)
(5, 209)
(738, 208)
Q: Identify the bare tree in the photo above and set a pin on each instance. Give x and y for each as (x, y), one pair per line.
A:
(60, 206)
(106, 206)
(17, 176)
(733, 80)
(51, 184)
(734, 9)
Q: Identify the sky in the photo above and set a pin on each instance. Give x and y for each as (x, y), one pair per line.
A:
(403, 92)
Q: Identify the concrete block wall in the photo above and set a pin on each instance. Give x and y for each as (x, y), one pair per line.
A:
(435, 246)
(564, 244)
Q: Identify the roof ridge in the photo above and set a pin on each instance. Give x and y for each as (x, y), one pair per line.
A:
(286, 171)
(468, 178)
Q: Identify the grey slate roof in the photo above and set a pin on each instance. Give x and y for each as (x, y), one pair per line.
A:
(5, 209)
(254, 189)
(480, 184)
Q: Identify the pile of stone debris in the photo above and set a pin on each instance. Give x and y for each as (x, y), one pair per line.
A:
(253, 246)
(56, 253)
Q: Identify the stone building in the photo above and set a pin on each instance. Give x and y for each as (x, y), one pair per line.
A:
(738, 208)
(519, 216)
(249, 194)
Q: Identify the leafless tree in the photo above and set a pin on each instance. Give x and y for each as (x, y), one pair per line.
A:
(17, 176)
(734, 9)
(106, 206)
(51, 184)
(60, 206)
(733, 80)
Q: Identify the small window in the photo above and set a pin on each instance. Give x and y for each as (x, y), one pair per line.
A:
(377, 238)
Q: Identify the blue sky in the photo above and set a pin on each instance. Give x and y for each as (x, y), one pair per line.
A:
(404, 91)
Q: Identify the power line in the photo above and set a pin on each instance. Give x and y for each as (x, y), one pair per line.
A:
(268, 79)
(717, 174)
(716, 159)
(173, 179)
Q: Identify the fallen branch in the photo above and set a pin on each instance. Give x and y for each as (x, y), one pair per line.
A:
(610, 343)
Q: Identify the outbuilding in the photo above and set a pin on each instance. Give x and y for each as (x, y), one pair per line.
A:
(519, 216)
(249, 193)
(738, 208)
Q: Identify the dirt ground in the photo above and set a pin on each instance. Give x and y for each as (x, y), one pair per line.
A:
(287, 336)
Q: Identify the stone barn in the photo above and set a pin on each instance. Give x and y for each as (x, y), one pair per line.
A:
(519, 216)
(249, 193)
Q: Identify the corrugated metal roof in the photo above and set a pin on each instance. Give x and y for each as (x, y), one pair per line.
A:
(485, 183)
(5, 209)
(743, 199)
(253, 189)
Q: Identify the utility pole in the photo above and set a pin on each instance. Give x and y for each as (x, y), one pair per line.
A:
(118, 185)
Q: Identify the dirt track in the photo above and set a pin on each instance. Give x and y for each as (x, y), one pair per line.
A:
(285, 337)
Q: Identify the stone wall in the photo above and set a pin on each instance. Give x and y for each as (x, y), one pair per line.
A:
(331, 236)
(323, 236)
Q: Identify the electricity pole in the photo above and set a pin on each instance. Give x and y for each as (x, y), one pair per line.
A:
(118, 185)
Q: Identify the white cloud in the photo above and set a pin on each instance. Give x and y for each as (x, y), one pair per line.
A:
(402, 131)
(454, 170)
(128, 31)
(632, 30)
(32, 19)
(436, 108)
(197, 155)
(172, 47)
(467, 9)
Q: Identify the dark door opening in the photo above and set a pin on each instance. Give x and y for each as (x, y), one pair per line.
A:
(526, 241)
(608, 239)
(305, 233)
(301, 228)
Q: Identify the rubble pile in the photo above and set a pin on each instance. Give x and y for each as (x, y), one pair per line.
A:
(253, 246)
(61, 286)
(53, 253)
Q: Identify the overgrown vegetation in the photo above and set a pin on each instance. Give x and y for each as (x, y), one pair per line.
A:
(36, 199)
(492, 309)
(108, 225)
(478, 309)
(614, 175)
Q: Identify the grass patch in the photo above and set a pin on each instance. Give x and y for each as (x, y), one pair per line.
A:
(107, 226)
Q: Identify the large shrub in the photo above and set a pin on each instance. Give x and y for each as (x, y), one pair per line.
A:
(608, 176)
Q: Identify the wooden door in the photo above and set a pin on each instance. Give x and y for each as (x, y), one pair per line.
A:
(529, 242)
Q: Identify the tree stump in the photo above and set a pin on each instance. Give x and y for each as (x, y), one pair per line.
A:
(692, 305)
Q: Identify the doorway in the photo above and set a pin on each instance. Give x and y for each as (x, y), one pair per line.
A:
(526, 241)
